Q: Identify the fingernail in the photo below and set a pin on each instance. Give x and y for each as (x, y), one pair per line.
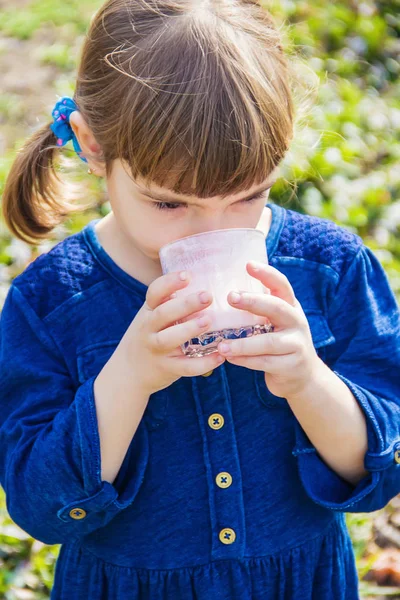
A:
(254, 266)
(224, 347)
(173, 295)
(235, 297)
(183, 275)
(204, 297)
(202, 321)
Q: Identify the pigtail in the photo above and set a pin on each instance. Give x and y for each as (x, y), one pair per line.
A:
(33, 200)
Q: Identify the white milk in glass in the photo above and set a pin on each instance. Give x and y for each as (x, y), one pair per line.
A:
(217, 263)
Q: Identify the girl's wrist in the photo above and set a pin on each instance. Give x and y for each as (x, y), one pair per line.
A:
(127, 370)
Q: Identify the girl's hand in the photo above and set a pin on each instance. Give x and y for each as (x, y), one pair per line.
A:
(286, 355)
(151, 345)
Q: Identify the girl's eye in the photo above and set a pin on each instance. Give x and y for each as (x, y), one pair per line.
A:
(167, 205)
(172, 206)
(257, 197)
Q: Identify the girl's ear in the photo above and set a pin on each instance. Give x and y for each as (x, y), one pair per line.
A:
(91, 150)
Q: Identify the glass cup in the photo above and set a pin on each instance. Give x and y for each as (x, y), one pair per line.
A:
(217, 263)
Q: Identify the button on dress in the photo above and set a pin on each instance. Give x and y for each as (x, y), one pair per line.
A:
(221, 495)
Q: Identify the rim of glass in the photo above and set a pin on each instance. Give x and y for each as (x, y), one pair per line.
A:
(210, 233)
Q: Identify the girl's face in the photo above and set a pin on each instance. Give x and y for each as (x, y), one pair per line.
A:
(142, 220)
(150, 217)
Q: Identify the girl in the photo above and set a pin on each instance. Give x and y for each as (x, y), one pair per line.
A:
(164, 477)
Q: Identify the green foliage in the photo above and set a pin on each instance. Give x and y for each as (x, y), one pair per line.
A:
(23, 22)
(346, 155)
(57, 54)
(26, 565)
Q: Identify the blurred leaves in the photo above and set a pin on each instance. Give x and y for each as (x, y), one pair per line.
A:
(345, 160)
(23, 22)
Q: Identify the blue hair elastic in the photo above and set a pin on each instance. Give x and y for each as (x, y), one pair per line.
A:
(61, 126)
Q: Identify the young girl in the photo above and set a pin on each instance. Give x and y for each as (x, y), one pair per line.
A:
(166, 477)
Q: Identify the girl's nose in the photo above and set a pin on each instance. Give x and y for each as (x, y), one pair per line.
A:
(203, 225)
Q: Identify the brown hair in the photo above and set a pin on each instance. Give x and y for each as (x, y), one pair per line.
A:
(197, 88)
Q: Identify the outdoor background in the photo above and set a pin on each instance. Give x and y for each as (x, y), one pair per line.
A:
(345, 162)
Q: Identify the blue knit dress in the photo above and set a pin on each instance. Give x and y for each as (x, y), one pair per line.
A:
(221, 495)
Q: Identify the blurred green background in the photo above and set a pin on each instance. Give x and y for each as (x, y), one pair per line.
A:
(344, 165)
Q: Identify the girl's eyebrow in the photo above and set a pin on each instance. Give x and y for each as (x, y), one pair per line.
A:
(177, 200)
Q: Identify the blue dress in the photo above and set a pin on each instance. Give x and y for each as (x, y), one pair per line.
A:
(221, 495)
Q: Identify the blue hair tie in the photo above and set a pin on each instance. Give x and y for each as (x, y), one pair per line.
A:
(61, 126)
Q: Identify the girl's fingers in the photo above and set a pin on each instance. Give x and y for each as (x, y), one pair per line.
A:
(278, 343)
(274, 280)
(176, 309)
(168, 339)
(186, 366)
(279, 312)
(163, 287)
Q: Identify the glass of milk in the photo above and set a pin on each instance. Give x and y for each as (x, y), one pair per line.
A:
(217, 262)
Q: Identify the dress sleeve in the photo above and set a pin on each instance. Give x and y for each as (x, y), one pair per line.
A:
(365, 320)
(50, 462)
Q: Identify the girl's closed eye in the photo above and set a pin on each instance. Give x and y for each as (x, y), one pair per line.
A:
(175, 206)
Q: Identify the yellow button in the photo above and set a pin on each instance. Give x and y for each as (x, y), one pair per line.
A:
(77, 513)
(223, 480)
(216, 421)
(227, 536)
(208, 374)
(397, 456)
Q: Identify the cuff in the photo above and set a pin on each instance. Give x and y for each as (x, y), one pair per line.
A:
(85, 507)
(322, 484)
(100, 495)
